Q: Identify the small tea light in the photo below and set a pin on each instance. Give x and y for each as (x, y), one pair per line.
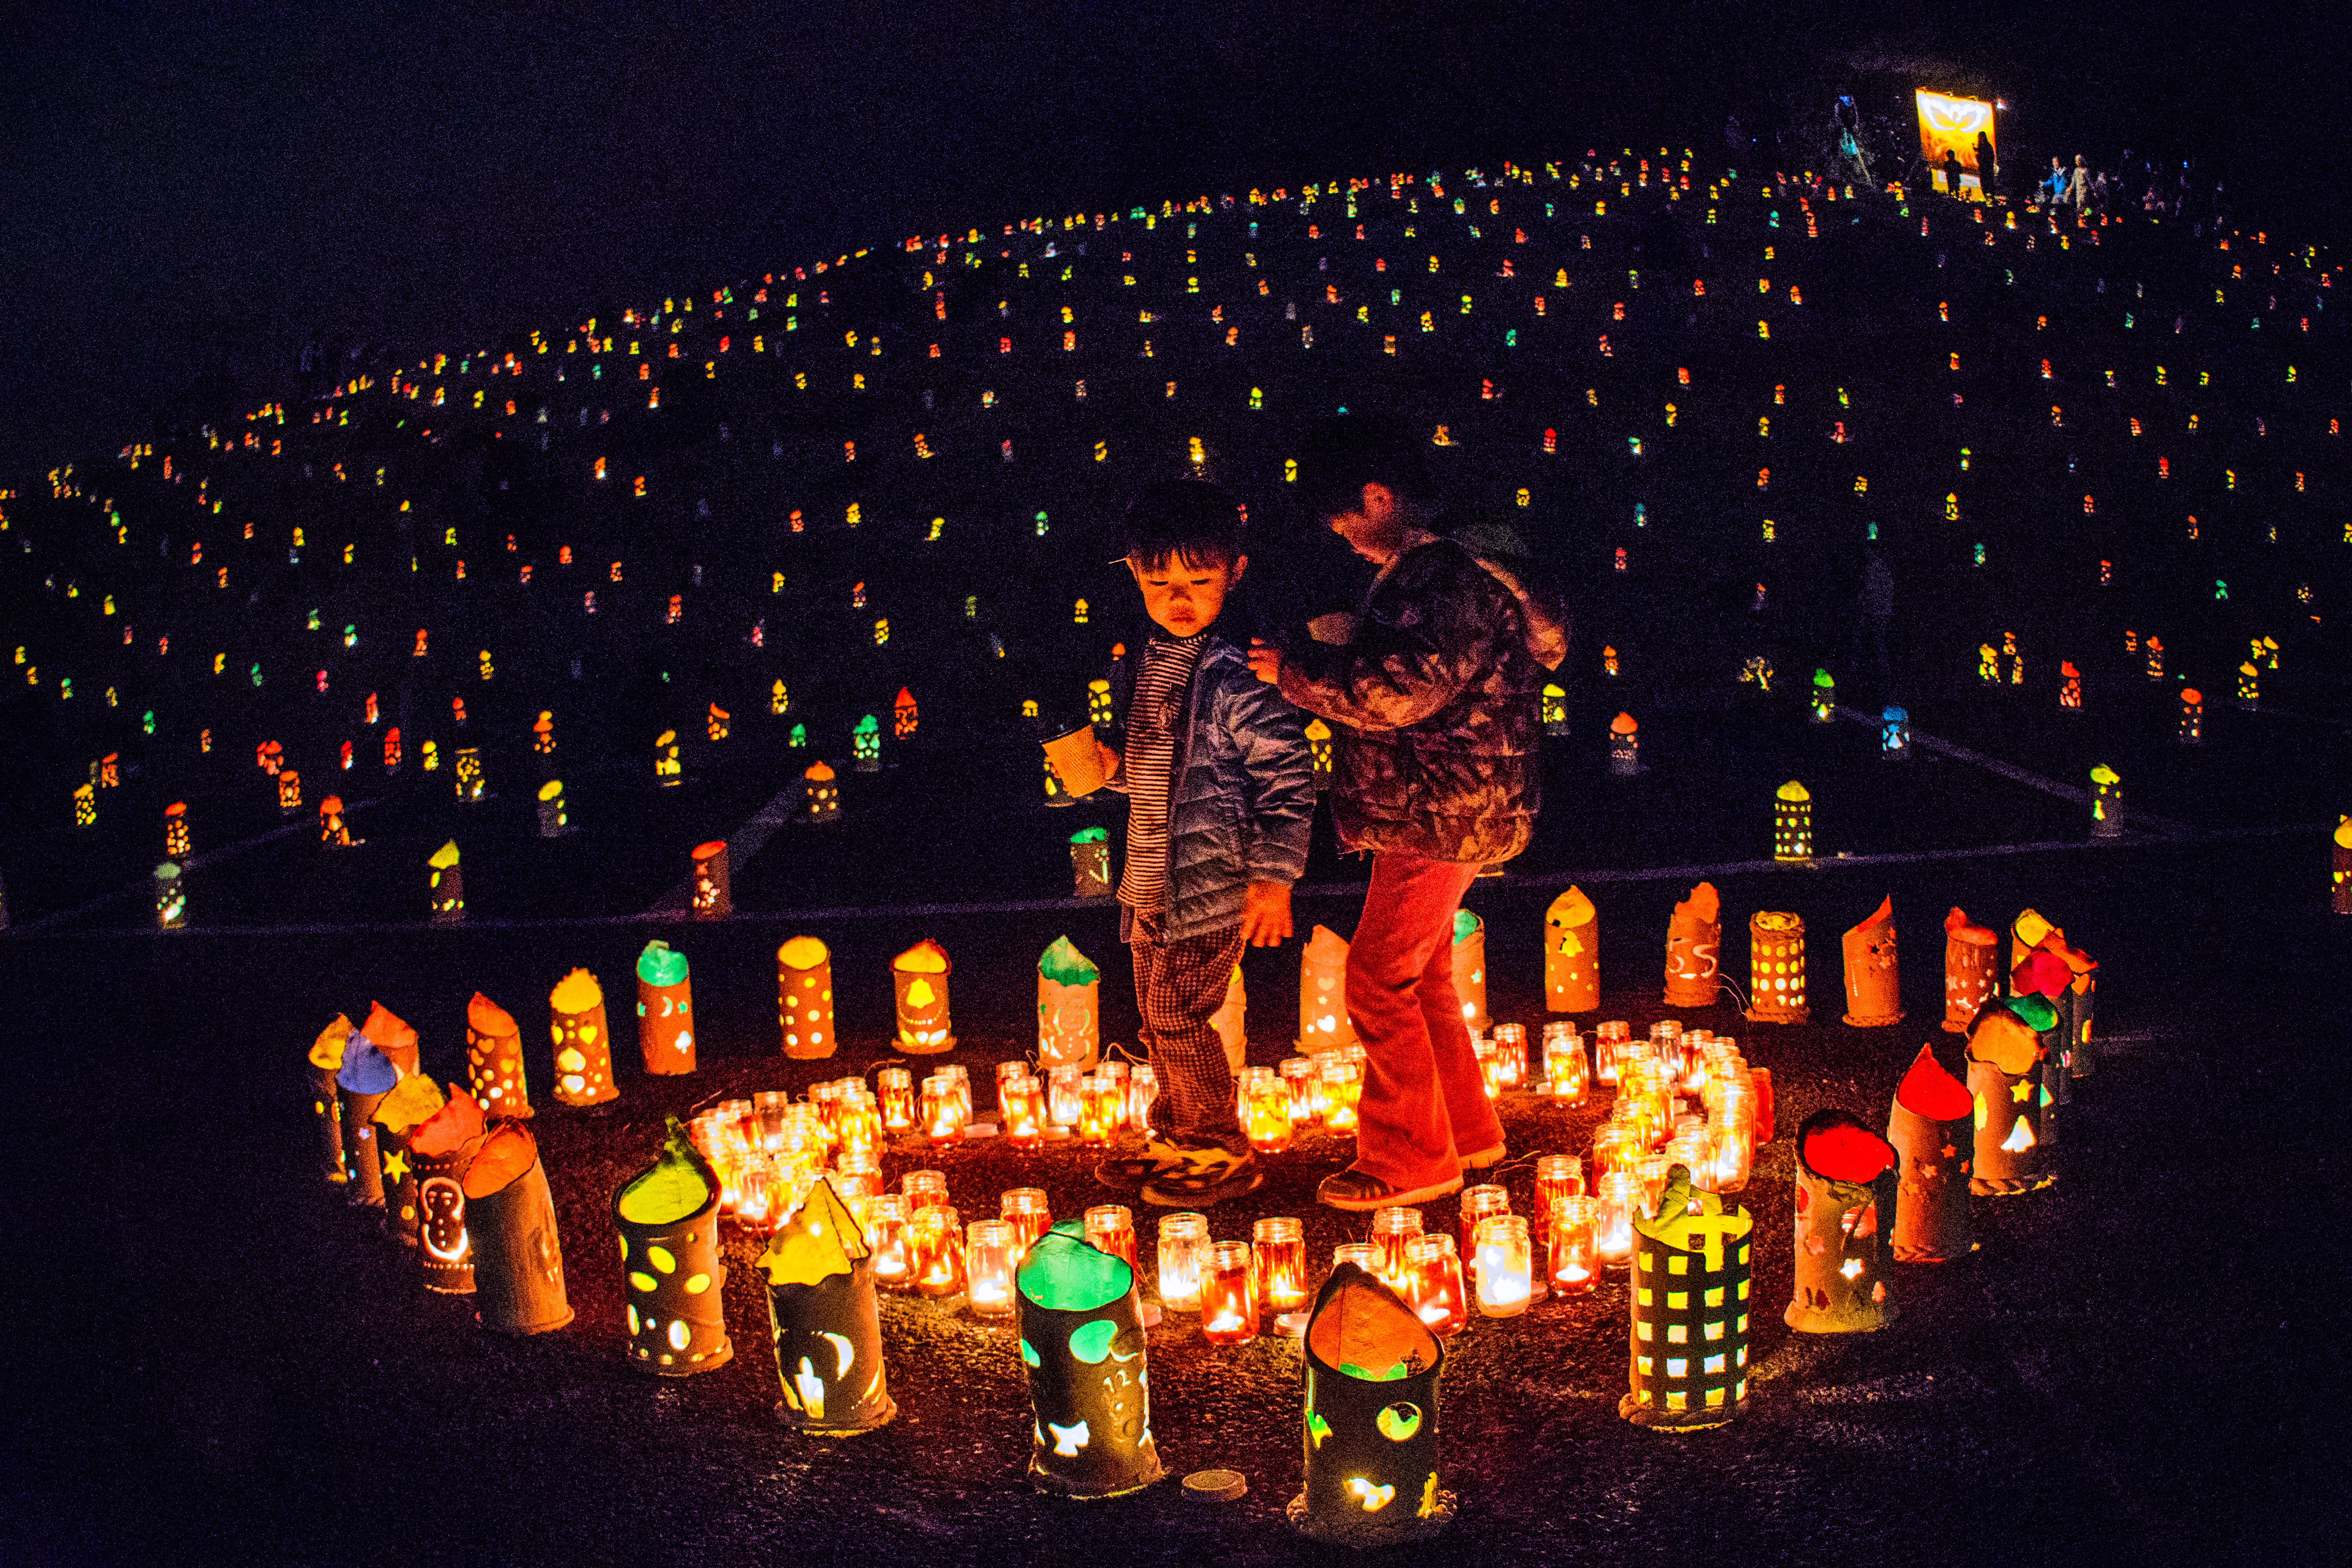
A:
(1573, 1262)
(1228, 1295)
(885, 1220)
(1505, 1265)
(1030, 1214)
(1110, 1228)
(1280, 1247)
(1183, 1249)
(990, 1245)
(1437, 1296)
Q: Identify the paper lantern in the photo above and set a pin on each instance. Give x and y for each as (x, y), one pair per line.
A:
(1894, 733)
(1082, 1342)
(518, 1257)
(2076, 997)
(2106, 803)
(175, 830)
(584, 1044)
(713, 898)
(2005, 1085)
(1845, 1189)
(1792, 823)
(804, 998)
(471, 784)
(409, 1106)
(2070, 687)
(1320, 753)
(1072, 759)
(446, 885)
(171, 897)
(1873, 997)
(1824, 708)
(866, 743)
(919, 978)
(1470, 968)
(1068, 986)
(366, 1076)
(1624, 746)
(1323, 1021)
(442, 1149)
(825, 1320)
(494, 1068)
(1552, 707)
(290, 791)
(1933, 1131)
(1971, 970)
(325, 1061)
(672, 1272)
(1090, 863)
(1371, 1418)
(1691, 1281)
(821, 791)
(2192, 717)
(1776, 969)
(665, 1009)
(1694, 950)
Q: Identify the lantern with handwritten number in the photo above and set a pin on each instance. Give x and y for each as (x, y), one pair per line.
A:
(1371, 1417)
(1082, 1341)
(1694, 950)
(1873, 997)
(671, 1268)
(443, 1149)
(1845, 1192)
(1090, 863)
(665, 1009)
(919, 978)
(518, 1257)
(1470, 968)
(824, 1322)
(1776, 968)
(1571, 954)
(326, 1059)
(1971, 970)
(2005, 1086)
(1323, 1021)
(584, 1044)
(713, 897)
(804, 998)
(1068, 1019)
(494, 1058)
(1933, 1131)
(1690, 1285)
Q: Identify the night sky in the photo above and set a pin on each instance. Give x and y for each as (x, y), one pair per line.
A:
(193, 192)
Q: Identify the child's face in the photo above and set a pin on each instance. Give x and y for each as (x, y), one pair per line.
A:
(1181, 598)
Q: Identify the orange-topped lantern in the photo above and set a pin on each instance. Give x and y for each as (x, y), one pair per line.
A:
(494, 1058)
(1695, 950)
(1873, 997)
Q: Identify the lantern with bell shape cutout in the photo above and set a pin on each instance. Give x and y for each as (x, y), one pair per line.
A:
(442, 1149)
(1470, 968)
(1971, 972)
(325, 1060)
(1695, 950)
(411, 1104)
(1323, 1021)
(1873, 997)
(366, 1076)
(1776, 968)
(2005, 1086)
(1933, 1130)
(1371, 1418)
(671, 1269)
(446, 885)
(494, 1058)
(1845, 1191)
(821, 792)
(713, 897)
(1571, 954)
(1081, 1341)
(804, 998)
(1690, 1285)
(584, 1045)
(1090, 863)
(919, 977)
(665, 1009)
(824, 1322)
(1068, 1020)
(518, 1257)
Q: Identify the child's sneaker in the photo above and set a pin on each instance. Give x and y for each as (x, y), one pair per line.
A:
(1159, 1158)
(1208, 1177)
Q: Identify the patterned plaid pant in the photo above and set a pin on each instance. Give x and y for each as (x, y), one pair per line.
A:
(1177, 986)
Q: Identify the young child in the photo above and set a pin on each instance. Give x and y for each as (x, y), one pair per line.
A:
(1221, 797)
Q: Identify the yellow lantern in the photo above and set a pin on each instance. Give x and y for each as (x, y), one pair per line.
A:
(1792, 823)
(1776, 969)
(1571, 954)
(920, 978)
(1554, 710)
(667, 768)
(1318, 752)
(804, 998)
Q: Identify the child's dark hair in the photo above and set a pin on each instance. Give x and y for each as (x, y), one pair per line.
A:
(1339, 457)
(1189, 521)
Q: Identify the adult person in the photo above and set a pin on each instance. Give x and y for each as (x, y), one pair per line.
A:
(2078, 185)
(1988, 167)
(1435, 774)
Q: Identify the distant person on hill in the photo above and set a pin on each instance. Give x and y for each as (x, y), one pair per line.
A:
(1952, 173)
(2078, 185)
(1988, 167)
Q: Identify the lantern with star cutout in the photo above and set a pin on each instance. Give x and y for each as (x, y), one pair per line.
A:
(1845, 1191)
(665, 1009)
(1470, 968)
(1690, 1286)
(1370, 1440)
(510, 1215)
(671, 1269)
(1970, 970)
(1932, 1128)
(1695, 950)
(1082, 1341)
(408, 1107)
(366, 1076)
(584, 1045)
(824, 1322)
(494, 1058)
(2005, 1086)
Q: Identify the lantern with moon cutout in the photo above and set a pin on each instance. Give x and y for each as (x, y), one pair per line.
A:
(494, 1060)
(1971, 972)
(1845, 1192)
(1694, 949)
(1776, 968)
(1571, 954)
(918, 981)
(664, 1010)
(1690, 1285)
(409, 1106)
(325, 1060)
(583, 1043)
(1082, 1341)
(668, 1216)
(1090, 863)
(2005, 1089)
(1323, 1021)
(825, 1323)
(1370, 1438)
(1068, 1019)
(518, 1257)
(1470, 968)
(366, 1076)
(1932, 1128)
(804, 998)
(1873, 997)
(442, 1149)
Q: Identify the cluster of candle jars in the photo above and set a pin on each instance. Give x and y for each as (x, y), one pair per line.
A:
(1231, 1284)
(768, 1151)
(1070, 1102)
(1652, 1127)
(1277, 1103)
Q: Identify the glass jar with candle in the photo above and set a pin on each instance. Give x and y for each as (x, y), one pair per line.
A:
(769, 1106)
(924, 1189)
(755, 1192)
(1183, 1250)
(861, 1123)
(1062, 1094)
(1438, 1296)
(1110, 1228)
(1650, 1176)
(1482, 1050)
(1018, 1067)
(1607, 1039)
(1298, 1075)
(1478, 1202)
(1564, 1063)
(1280, 1247)
(991, 1251)
(1021, 1105)
(1504, 1265)
(1030, 1214)
(1511, 1054)
(1558, 1177)
(886, 1234)
(1265, 1109)
(1142, 1089)
(1102, 1108)
(896, 1086)
(857, 1176)
(1228, 1295)
(1343, 1085)
(961, 1078)
(1392, 1229)
(1613, 1220)
(942, 1118)
(1691, 1149)
(1572, 1260)
(1362, 1254)
(803, 1133)
(1734, 1149)
(935, 1251)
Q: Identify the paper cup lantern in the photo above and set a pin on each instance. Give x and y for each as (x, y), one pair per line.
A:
(494, 1058)
(1552, 709)
(411, 1104)
(393, 1036)
(1571, 954)
(1845, 1191)
(554, 819)
(671, 1269)
(804, 998)
(443, 1149)
(366, 1076)
(825, 1324)
(1076, 762)
(584, 1045)
(1776, 969)
(1371, 1418)
(1090, 863)
(1470, 968)
(1690, 1279)
(2075, 997)
(170, 895)
(2005, 1087)
(919, 978)
(2106, 802)
(446, 885)
(1320, 753)
(1068, 992)
(1971, 956)
(325, 1060)
(1933, 1131)
(713, 897)
(1873, 998)
(518, 1259)
(664, 1010)
(821, 792)
(1082, 1341)
(1694, 950)
(1624, 746)
(1323, 1021)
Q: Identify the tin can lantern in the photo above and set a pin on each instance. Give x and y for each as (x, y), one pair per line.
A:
(1694, 950)
(1082, 1341)
(366, 1076)
(1792, 823)
(494, 1060)
(1371, 1418)
(1090, 863)
(713, 896)
(446, 885)
(1873, 997)
(824, 1319)
(1776, 968)
(1846, 1177)
(1323, 1021)
(583, 1043)
(1690, 1310)
(1571, 954)
(518, 1257)
(2192, 732)
(804, 1001)
(664, 1010)
(1971, 970)
(443, 1149)
(1932, 1130)
(391, 1035)
(409, 1106)
(2008, 1099)
(1470, 968)
(1068, 988)
(919, 980)
(668, 1219)
(1624, 746)
(324, 1060)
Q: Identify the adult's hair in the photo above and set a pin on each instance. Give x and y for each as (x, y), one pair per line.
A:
(1189, 521)
(1339, 457)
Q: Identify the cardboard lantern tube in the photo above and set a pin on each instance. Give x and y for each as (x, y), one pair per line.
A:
(325, 1060)
(1972, 973)
(442, 1148)
(393, 1036)
(1081, 1341)
(1932, 1127)
(1371, 1418)
(668, 1219)
(494, 1060)
(1090, 863)
(410, 1104)
(2076, 1001)
(1571, 954)
(1231, 1020)
(366, 1076)
(825, 1320)
(1323, 1021)
(1776, 969)
(518, 1257)
(804, 998)
(714, 897)
(1845, 1191)
(1068, 991)
(1690, 1310)
(918, 983)
(1874, 995)
(1470, 968)
(1694, 950)
(665, 1009)
(1076, 762)
(2340, 874)
(2043, 978)
(583, 1041)
(446, 885)
(2005, 1089)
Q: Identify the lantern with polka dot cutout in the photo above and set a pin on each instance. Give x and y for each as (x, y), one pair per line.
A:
(583, 1046)
(668, 1216)
(804, 998)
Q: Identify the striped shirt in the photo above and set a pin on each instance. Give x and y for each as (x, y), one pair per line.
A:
(1153, 717)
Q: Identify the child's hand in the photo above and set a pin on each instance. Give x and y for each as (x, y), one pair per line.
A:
(1265, 914)
(1266, 659)
(1110, 761)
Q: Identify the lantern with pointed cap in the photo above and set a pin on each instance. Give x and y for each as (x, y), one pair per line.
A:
(366, 1076)
(1971, 970)
(1624, 746)
(1090, 863)
(1792, 823)
(1845, 1191)
(821, 791)
(446, 885)
(472, 786)
(494, 1058)
(1068, 1020)
(713, 897)
(824, 1322)
(804, 998)
(1470, 968)
(1082, 1341)
(325, 1060)
(554, 818)
(1323, 1021)
(1873, 998)
(2005, 1052)
(391, 1035)
(584, 1044)
(1371, 1418)
(510, 1215)
(1694, 950)
(408, 1107)
(1776, 968)
(443, 1149)
(665, 1009)
(1320, 753)
(2106, 803)
(175, 829)
(1933, 1131)
(918, 979)
(903, 716)
(1690, 1285)
(671, 1269)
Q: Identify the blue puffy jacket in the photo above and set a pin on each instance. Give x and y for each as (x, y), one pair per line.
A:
(1241, 798)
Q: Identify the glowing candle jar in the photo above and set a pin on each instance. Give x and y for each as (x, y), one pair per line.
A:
(1572, 1260)
(1558, 1177)
(1182, 1253)
(770, 1109)
(935, 1251)
(1142, 1089)
(1478, 1204)
(1489, 1070)
(1606, 1039)
(1228, 1295)
(1265, 1109)
(1102, 1109)
(960, 1079)
(1613, 1219)
(1021, 1109)
(1299, 1079)
(1343, 1085)
(1392, 1229)
(1064, 1095)
(1511, 1055)
(1505, 1265)
(990, 1248)
(885, 1231)
(1110, 1228)
(897, 1093)
(924, 1189)
(1438, 1296)
(943, 1120)
(1279, 1249)
(1734, 1145)
(1029, 1213)
(1564, 1063)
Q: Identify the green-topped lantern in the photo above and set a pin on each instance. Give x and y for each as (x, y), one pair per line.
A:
(668, 1216)
(665, 1009)
(1824, 698)
(1470, 968)
(1082, 1342)
(1090, 862)
(1069, 1029)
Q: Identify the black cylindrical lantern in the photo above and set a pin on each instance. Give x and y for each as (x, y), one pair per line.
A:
(1691, 1280)
(442, 1149)
(1371, 1418)
(366, 1076)
(325, 1060)
(822, 1315)
(668, 1220)
(1845, 1189)
(518, 1257)
(1081, 1341)
(1933, 1130)
(1090, 863)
